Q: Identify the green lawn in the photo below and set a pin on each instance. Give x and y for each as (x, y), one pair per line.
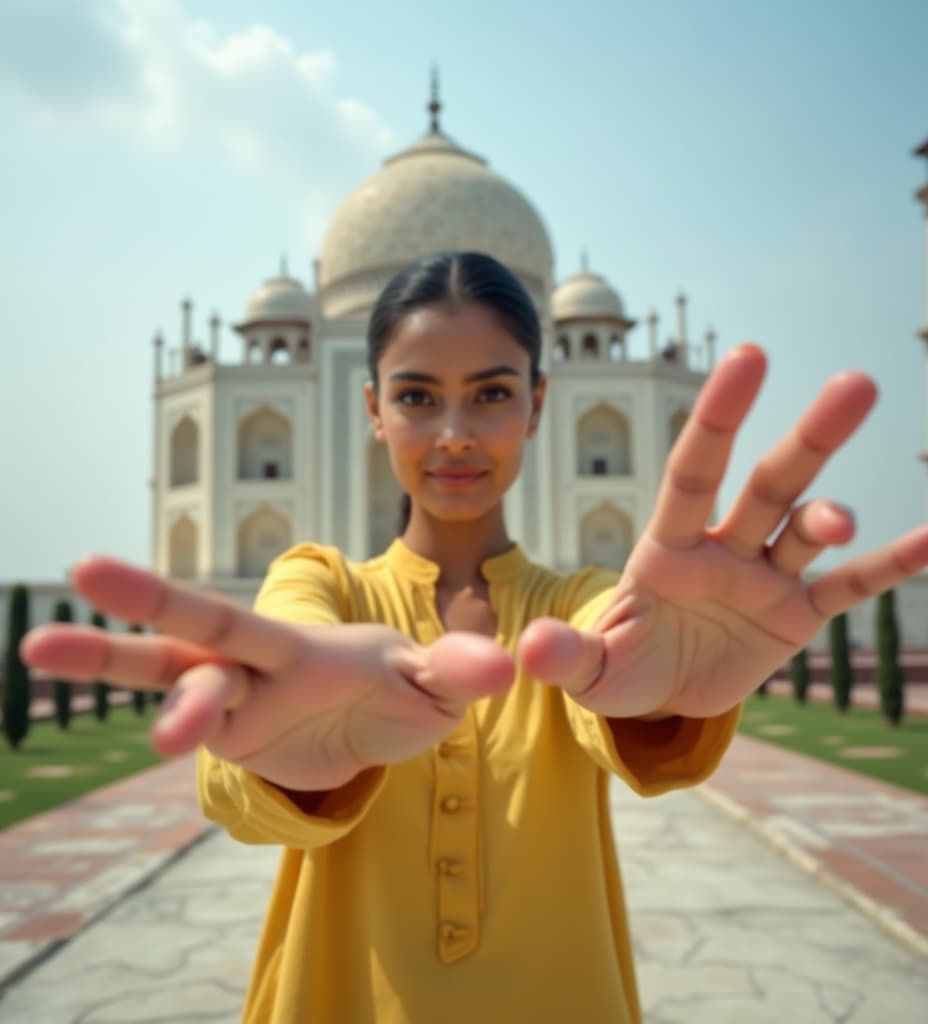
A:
(823, 732)
(53, 766)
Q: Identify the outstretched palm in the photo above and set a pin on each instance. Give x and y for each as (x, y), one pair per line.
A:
(306, 707)
(703, 614)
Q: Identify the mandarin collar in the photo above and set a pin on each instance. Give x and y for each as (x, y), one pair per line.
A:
(406, 562)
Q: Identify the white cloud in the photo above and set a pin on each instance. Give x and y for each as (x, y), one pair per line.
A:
(147, 72)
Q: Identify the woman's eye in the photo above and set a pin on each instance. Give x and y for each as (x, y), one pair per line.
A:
(414, 397)
(494, 393)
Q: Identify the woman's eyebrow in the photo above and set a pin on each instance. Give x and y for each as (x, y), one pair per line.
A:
(426, 378)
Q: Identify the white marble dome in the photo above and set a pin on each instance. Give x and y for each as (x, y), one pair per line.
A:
(586, 296)
(432, 196)
(279, 299)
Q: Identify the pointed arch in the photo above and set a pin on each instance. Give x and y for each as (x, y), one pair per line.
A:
(262, 536)
(265, 446)
(182, 547)
(384, 495)
(185, 453)
(589, 348)
(605, 537)
(279, 352)
(562, 349)
(604, 442)
(675, 424)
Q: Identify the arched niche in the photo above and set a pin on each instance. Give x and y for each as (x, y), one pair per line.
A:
(182, 547)
(302, 350)
(675, 424)
(589, 347)
(384, 495)
(605, 537)
(603, 443)
(562, 349)
(617, 352)
(261, 538)
(279, 352)
(265, 446)
(255, 353)
(185, 453)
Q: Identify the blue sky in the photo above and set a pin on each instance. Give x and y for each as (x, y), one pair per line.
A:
(757, 156)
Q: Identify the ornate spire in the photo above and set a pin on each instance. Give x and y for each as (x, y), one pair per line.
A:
(584, 261)
(283, 265)
(434, 106)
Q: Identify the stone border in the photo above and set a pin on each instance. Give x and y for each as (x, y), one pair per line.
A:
(888, 921)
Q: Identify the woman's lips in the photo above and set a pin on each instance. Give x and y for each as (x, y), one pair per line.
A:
(454, 477)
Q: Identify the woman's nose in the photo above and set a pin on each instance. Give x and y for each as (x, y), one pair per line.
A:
(455, 433)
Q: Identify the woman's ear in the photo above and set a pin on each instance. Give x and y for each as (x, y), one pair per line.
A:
(373, 409)
(538, 401)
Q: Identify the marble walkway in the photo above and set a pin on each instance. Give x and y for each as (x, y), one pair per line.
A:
(736, 914)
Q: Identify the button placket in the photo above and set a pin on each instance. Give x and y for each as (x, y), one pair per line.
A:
(454, 842)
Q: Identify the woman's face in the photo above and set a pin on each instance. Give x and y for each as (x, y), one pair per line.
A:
(454, 406)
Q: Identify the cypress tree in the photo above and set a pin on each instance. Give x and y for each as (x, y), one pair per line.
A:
(16, 682)
(61, 691)
(842, 675)
(799, 673)
(889, 678)
(101, 690)
(138, 696)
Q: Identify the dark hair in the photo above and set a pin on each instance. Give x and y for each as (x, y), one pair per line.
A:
(454, 278)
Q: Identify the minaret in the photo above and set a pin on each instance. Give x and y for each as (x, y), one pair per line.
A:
(214, 324)
(186, 312)
(682, 341)
(652, 333)
(158, 345)
(711, 338)
(922, 196)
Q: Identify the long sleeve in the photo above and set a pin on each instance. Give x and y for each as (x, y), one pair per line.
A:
(651, 757)
(307, 585)
(253, 810)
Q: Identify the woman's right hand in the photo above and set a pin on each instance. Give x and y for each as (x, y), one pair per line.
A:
(305, 707)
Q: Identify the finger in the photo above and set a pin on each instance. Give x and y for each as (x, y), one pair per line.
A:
(196, 706)
(84, 653)
(870, 574)
(203, 619)
(786, 470)
(809, 530)
(461, 667)
(700, 454)
(559, 655)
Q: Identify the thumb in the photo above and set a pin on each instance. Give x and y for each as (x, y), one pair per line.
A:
(560, 655)
(460, 667)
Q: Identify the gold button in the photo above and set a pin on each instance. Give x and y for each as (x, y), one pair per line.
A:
(445, 749)
(449, 867)
(451, 931)
(451, 804)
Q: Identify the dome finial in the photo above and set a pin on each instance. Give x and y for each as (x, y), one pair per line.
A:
(434, 106)
(584, 261)
(283, 265)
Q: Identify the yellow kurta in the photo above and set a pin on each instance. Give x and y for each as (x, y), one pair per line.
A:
(477, 882)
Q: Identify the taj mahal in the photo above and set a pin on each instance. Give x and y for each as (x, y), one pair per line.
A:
(255, 455)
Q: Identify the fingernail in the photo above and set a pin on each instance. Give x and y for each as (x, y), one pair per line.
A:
(39, 675)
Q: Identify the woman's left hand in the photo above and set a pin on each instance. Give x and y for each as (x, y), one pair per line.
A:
(703, 614)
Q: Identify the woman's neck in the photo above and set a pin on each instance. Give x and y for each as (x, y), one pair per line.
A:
(457, 548)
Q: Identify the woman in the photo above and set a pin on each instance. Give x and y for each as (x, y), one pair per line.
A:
(429, 734)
